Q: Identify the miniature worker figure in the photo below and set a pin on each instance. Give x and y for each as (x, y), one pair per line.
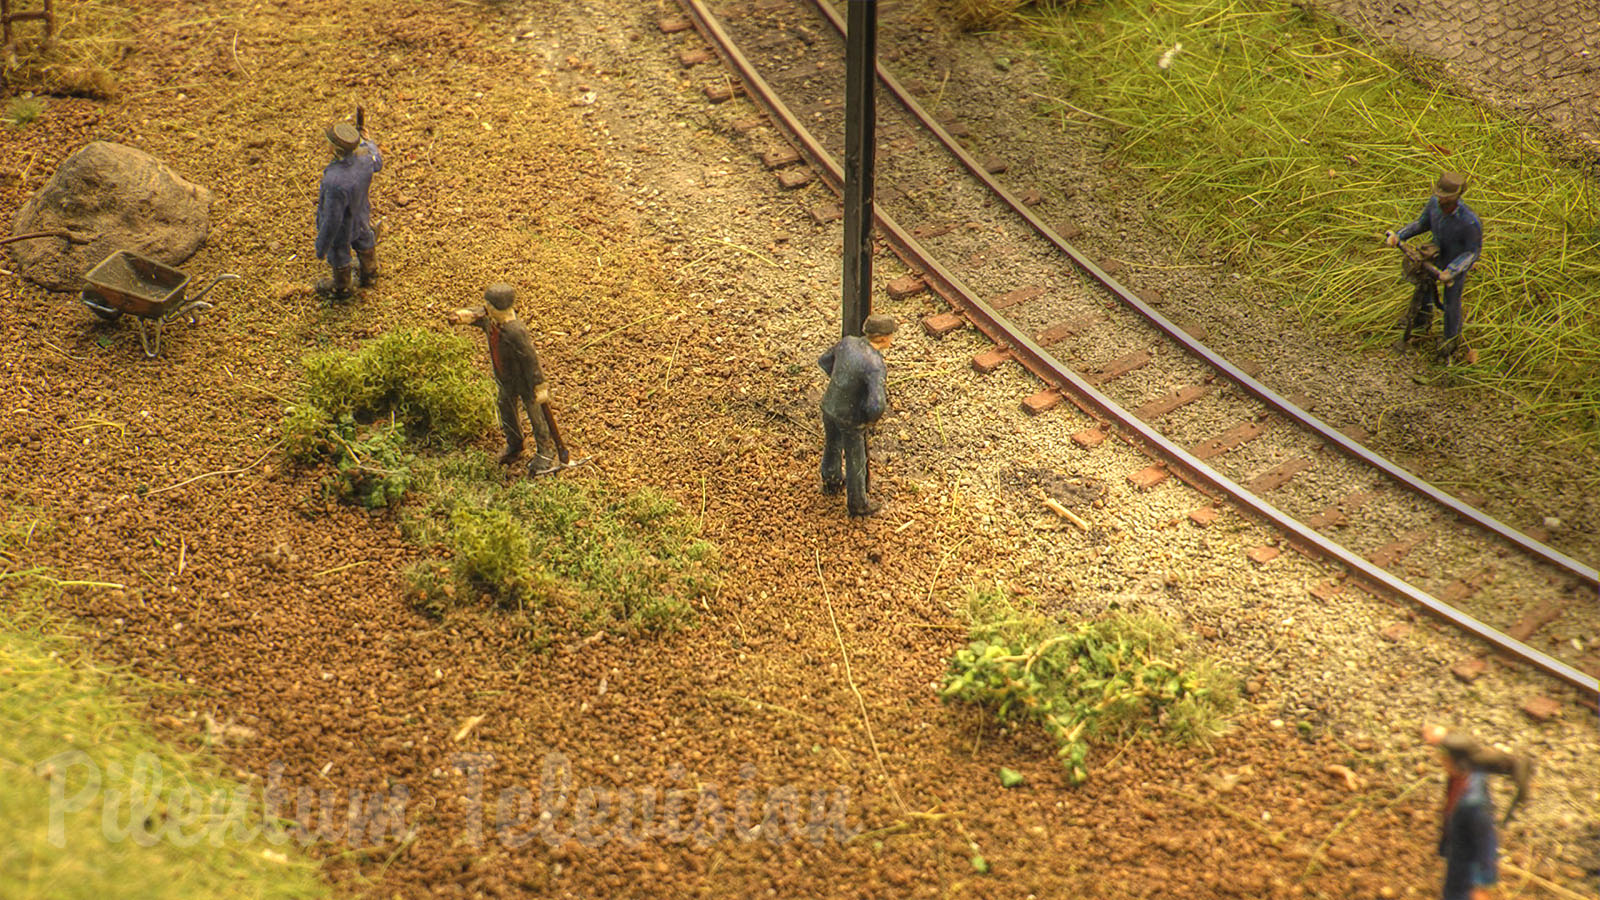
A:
(344, 214)
(1468, 842)
(1459, 236)
(854, 399)
(517, 374)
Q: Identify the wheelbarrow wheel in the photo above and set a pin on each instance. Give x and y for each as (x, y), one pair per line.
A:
(105, 313)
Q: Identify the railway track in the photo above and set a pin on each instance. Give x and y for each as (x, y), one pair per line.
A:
(1092, 340)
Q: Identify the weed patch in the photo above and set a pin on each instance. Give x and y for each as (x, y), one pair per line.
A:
(360, 408)
(1106, 679)
(567, 552)
(1292, 146)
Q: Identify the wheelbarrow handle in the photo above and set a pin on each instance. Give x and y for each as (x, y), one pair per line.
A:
(214, 282)
(1412, 254)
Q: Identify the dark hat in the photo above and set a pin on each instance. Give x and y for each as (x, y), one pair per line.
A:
(1450, 185)
(344, 136)
(879, 324)
(499, 295)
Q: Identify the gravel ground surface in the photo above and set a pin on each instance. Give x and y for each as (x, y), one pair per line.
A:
(712, 398)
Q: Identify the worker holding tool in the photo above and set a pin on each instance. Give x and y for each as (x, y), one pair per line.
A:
(519, 378)
(1467, 841)
(1459, 237)
(854, 399)
(344, 213)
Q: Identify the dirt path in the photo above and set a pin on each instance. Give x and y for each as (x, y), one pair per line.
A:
(679, 303)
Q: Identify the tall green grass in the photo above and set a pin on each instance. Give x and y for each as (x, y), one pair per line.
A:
(1292, 145)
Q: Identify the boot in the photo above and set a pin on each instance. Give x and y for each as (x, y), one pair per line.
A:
(542, 464)
(512, 451)
(369, 266)
(337, 287)
(867, 508)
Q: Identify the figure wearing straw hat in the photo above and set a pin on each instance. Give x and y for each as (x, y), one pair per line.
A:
(1459, 237)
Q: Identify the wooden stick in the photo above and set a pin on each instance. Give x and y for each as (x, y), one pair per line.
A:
(1545, 883)
(1065, 513)
(71, 236)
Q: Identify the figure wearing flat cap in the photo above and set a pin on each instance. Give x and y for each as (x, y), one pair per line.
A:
(1459, 237)
(1468, 841)
(855, 398)
(518, 376)
(344, 214)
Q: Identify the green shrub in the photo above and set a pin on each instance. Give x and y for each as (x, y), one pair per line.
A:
(492, 554)
(414, 382)
(1110, 678)
(426, 380)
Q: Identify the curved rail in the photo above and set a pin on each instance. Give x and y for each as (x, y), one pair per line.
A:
(1265, 394)
(1053, 372)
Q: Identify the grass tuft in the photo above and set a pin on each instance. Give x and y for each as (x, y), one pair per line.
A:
(23, 111)
(1292, 145)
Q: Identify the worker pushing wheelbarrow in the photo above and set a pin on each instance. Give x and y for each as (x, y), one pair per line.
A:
(149, 291)
(1440, 277)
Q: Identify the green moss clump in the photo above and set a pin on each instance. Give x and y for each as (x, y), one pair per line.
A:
(571, 552)
(425, 380)
(361, 406)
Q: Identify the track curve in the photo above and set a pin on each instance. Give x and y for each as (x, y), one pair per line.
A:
(1055, 372)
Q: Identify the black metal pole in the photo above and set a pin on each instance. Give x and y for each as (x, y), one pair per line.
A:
(860, 125)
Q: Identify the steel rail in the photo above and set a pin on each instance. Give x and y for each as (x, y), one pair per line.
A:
(1268, 396)
(1053, 372)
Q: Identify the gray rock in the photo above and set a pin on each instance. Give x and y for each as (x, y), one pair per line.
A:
(125, 198)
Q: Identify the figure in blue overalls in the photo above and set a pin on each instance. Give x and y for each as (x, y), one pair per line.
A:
(1459, 236)
(344, 214)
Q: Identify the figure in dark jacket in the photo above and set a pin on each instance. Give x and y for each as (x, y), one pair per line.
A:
(855, 398)
(1459, 236)
(344, 213)
(517, 373)
(1467, 840)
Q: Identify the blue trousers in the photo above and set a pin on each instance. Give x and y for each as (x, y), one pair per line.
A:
(845, 444)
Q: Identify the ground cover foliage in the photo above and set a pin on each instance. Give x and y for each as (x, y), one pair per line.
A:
(565, 552)
(1086, 681)
(385, 418)
(91, 37)
(1293, 145)
(92, 803)
(359, 408)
